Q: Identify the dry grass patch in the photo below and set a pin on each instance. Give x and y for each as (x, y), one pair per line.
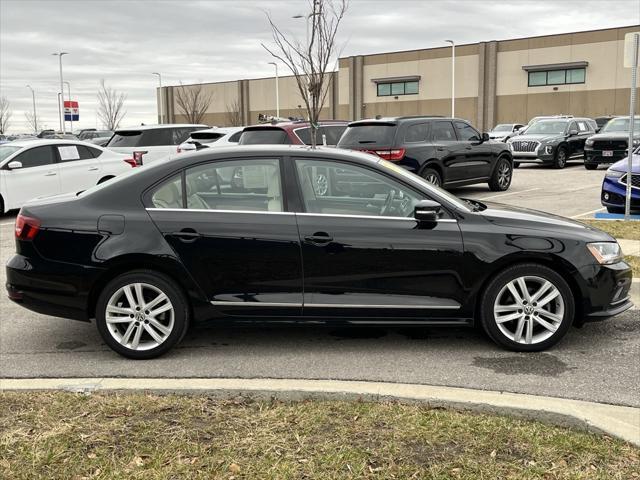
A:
(617, 228)
(108, 436)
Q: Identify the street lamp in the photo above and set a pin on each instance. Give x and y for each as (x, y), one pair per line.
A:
(160, 102)
(71, 110)
(453, 77)
(35, 116)
(307, 23)
(62, 124)
(277, 92)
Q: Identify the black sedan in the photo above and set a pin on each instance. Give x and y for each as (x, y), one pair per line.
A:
(242, 234)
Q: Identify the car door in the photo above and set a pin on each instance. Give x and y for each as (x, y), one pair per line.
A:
(38, 176)
(364, 255)
(226, 220)
(584, 131)
(478, 154)
(573, 140)
(78, 169)
(448, 150)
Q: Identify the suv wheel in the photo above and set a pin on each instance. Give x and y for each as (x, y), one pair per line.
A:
(561, 158)
(591, 166)
(502, 175)
(141, 314)
(432, 176)
(321, 184)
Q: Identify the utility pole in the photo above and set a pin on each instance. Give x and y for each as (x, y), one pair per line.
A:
(35, 115)
(62, 123)
(453, 77)
(160, 109)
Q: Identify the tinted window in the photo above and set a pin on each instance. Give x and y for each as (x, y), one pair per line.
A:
(36, 157)
(235, 138)
(169, 194)
(443, 131)
(339, 188)
(264, 136)
(179, 135)
(416, 133)
(157, 137)
(466, 132)
(331, 134)
(583, 127)
(235, 185)
(366, 135)
(129, 138)
(95, 151)
(206, 137)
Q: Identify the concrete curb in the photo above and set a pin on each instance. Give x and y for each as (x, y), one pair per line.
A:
(618, 421)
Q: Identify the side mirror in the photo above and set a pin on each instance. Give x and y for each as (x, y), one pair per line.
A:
(188, 147)
(485, 137)
(573, 133)
(14, 165)
(427, 211)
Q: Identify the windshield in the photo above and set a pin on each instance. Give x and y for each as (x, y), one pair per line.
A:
(620, 125)
(367, 135)
(502, 128)
(413, 178)
(547, 127)
(6, 150)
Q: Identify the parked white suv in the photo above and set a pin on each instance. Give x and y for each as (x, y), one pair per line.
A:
(42, 168)
(149, 143)
(211, 137)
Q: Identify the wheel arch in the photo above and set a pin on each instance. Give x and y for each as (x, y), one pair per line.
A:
(433, 163)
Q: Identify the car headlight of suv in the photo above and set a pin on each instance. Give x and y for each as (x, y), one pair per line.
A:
(605, 253)
(613, 173)
(548, 149)
(636, 142)
(588, 142)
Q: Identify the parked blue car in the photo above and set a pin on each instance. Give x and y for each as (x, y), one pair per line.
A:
(614, 185)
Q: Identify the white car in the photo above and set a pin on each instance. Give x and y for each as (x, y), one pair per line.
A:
(211, 137)
(148, 143)
(504, 131)
(42, 168)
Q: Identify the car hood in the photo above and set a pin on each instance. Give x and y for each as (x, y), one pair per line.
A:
(507, 215)
(537, 137)
(621, 165)
(612, 136)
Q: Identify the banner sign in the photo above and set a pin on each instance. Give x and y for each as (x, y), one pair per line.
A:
(71, 111)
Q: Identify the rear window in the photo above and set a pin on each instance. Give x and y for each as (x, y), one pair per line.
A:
(365, 135)
(331, 133)
(143, 138)
(264, 136)
(206, 137)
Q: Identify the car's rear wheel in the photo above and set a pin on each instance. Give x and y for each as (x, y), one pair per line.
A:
(502, 175)
(142, 314)
(432, 176)
(591, 166)
(527, 308)
(561, 158)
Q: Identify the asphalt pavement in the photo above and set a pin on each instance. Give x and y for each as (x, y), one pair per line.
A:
(600, 362)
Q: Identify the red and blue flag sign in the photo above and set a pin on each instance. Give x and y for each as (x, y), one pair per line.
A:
(71, 111)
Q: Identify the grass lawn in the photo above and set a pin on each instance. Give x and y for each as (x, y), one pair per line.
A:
(617, 228)
(107, 436)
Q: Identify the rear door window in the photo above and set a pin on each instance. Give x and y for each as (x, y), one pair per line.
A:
(264, 136)
(235, 138)
(416, 133)
(157, 137)
(368, 135)
(443, 132)
(126, 138)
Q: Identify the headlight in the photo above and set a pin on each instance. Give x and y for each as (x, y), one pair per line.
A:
(614, 173)
(605, 253)
(589, 142)
(636, 142)
(548, 149)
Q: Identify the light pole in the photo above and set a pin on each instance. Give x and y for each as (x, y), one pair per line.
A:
(62, 124)
(160, 101)
(453, 77)
(277, 92)
(35, 116)
(69, 92)
(307, 24)
(59, 117)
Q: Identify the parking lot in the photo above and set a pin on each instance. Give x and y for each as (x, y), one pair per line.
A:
(597, 362)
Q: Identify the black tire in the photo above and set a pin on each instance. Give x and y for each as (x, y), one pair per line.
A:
(560, 160)
(166, 286)
(502, 175)
(432, 176)
(516, 164)
(496, 286)
(591, 166)
(615, 210)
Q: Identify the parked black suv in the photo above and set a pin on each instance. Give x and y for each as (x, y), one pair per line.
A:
(552, 141)
(444, 151)
(610, 145)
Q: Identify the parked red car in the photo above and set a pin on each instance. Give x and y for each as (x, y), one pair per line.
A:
(293, 133)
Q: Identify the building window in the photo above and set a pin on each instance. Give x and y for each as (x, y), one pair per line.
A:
(556, 77)
(397, 88)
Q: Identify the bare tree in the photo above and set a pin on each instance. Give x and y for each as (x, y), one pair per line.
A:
(110, 106)
(312, 62)
(234, 116)
(193, 101)
(5, 114)
(32, 121)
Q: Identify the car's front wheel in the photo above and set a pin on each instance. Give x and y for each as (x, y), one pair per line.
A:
(527, 308)
(502, 175)
(142, 314)
(561, 158)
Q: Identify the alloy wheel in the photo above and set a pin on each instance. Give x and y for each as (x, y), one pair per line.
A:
(504, 175)
(562, 158)
(433, 179)
(139, 316)
(529, 310)
(321, 184)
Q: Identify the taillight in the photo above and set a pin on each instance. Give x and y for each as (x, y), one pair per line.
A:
(393, 155)
(131, 162)
(26, 227)
(137, 156)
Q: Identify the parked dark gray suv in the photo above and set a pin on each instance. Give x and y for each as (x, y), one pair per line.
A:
(447, 152)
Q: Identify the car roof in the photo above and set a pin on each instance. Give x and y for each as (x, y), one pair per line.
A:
(293, 125)
(395, 120)
(155, 127)
(49, 141)
(219, 130)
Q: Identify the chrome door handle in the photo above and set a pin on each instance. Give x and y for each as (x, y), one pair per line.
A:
(50, 174)
(319, 238)
(93, 169)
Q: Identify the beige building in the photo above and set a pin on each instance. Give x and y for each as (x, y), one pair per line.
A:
(503, 81)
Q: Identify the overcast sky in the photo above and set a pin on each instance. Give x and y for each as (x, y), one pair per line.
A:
(203, 41)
